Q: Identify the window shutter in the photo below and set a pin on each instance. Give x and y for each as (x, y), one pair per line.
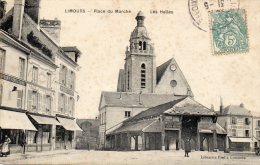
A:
(29, 103)
(44, 103)
(60, 75)
(69, 79)
(59, 103)
(19, 99)
(65, 104)
(1, 91)
(39, 106)
(2, 55)
(51, 103)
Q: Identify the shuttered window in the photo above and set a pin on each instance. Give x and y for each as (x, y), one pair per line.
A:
(71, 106)
(48, 104)
(34, 101)
(35, 75)
(29, 101)
(2, 59)
(21, 68)
(39, 107)
(1, 93)
(63, 75)
(19, 98)
(48, 80)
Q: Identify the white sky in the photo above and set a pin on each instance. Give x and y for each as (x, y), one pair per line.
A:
(102, 38)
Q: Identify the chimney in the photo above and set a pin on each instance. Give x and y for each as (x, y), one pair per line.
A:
(18, 18)
(2, 8)
(221, 106)
(52, 27)
(242, 105)
(32, 8)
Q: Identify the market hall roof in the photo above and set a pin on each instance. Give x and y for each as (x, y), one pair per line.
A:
(127, 99)
(152, 125)
(182, 106)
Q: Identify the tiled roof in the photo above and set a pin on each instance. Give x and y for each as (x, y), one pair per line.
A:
(161, 69)
(125, 99)
(220, 130)
(134, 126)
(155, 111)
(192, 109)
(255, 114)
(236, 110)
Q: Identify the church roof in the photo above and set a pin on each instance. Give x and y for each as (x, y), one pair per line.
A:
(236, 110)
(161, 69)
(125, 99)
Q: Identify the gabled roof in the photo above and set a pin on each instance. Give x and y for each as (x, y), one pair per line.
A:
(181, 106)
(161, 69)
(125, 99)
(236, 110)
(151, 125)
(190, 107)
(155, 111)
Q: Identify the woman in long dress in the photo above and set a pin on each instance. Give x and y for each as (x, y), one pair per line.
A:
(5, 146)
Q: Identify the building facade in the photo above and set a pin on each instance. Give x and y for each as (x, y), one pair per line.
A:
(238, 122)
(256, 128)
(143, 87)
(37, 81)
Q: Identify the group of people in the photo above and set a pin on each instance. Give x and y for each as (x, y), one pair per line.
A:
(4, 146)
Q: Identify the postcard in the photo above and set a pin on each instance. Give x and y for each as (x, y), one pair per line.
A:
(129, 82)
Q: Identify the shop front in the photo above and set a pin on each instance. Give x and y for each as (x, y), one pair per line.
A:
(65, 133)
(240, 144)
(43, 139)
(15, 125)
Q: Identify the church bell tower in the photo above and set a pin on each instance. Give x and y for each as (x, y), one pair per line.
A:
(140, 68)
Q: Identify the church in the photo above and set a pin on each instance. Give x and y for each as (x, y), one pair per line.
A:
(154, 107)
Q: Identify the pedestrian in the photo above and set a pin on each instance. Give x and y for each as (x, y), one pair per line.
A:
(5, 146)
(187, 147)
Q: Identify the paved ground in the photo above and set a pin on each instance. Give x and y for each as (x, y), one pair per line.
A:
(132, 158)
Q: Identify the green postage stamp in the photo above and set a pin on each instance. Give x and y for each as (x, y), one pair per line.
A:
(229, 31)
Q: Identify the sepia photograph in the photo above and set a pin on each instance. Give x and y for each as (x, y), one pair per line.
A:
(141, 82)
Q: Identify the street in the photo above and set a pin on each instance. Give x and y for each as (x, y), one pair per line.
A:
(136, 158)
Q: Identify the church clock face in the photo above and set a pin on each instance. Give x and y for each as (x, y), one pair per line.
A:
(173, 67)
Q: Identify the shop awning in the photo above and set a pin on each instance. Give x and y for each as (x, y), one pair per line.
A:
(205, 131)
(69, 124)
(45, 120)
(241, 140)
(15, 120)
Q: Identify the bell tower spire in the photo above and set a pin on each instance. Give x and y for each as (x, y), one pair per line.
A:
(140, 68)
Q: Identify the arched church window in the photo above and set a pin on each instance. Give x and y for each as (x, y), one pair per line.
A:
(140, 45)
(143, 76)
(144, 45)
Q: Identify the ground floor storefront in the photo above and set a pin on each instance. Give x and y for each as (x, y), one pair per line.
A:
(36, 133)
(242, 143)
